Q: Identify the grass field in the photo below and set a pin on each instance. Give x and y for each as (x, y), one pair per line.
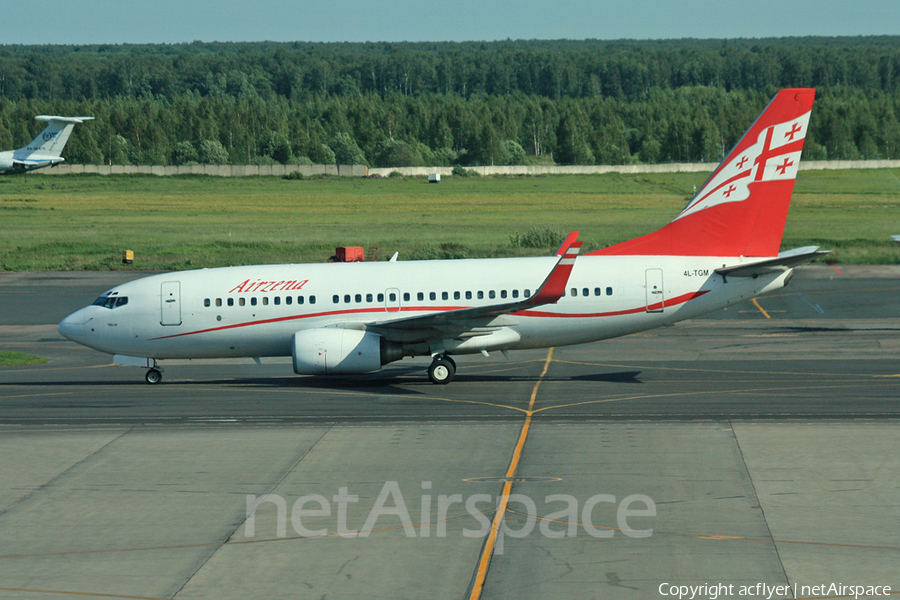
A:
(79, 222)
(18, 359)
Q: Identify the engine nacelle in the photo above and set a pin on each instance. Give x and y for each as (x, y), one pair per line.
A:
(334, 351)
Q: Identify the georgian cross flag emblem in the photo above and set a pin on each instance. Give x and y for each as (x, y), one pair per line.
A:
(774, 156)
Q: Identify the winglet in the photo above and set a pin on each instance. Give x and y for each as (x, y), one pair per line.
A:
(554, 287)
(566, 243)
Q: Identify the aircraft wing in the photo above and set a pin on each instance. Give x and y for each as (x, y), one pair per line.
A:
(785, 260)
(467, 319)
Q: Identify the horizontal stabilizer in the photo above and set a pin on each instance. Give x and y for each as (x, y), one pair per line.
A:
(785, 260)
(63, 119)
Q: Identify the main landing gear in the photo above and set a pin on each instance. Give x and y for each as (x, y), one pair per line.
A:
(442, 370)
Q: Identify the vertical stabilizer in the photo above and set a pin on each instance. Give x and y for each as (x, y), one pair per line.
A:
(742, 208)
(51, 141)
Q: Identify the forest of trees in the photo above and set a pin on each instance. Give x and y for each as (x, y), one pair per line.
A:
(513, 102)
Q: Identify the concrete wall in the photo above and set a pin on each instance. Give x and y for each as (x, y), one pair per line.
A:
(213, 170)
(811, 165)
(363, 171)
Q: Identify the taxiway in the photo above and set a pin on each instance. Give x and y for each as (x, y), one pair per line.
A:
(764, 438)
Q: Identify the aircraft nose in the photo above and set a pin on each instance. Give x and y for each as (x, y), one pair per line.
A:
(72, 327)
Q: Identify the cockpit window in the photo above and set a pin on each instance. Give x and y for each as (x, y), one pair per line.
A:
(107, 301)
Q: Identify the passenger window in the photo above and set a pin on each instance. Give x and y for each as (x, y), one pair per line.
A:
(456, 296)
(265, 300)
(574, 292)
(420, 296)
(230, 302)
(277, 300)
(346, 298)
(206, 302)
(336, 299)
(468, 295)
(527, 293)
(597, 291)
(358, 298)
(288, 300)
(252, 301)
(503, 293)
(299, 299)
(515, 293)
(445, 296)
(242, 301)
(380, 297)
(406, 296)
(369, 297)
(585, 292)
(480, 295)
(609, 291)
(218, 302)
(432, 296)
(492, 294)
(392, 297)
(312, 299)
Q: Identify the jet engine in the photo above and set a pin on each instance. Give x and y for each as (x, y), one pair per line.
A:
(335, 351)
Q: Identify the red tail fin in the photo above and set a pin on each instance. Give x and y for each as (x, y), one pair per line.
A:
(742, 207)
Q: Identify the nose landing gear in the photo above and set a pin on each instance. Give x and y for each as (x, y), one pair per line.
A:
(153, 376)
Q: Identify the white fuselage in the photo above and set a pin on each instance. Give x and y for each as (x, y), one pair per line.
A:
(20, 161)
(254, 311)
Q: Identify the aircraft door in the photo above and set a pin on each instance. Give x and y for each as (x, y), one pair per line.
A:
(392, 300)
(656, 297)
(170, 303)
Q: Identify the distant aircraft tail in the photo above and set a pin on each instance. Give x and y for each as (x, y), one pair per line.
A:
(52, 140)
(742, 208)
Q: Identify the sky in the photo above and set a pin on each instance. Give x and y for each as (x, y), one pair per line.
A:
(175, 21)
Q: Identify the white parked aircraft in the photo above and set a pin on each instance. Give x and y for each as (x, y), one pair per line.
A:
(337, 318)
(44, 150)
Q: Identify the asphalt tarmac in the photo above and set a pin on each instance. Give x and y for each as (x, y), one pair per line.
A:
(760, 444)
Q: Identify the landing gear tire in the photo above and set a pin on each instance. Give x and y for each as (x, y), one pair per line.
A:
(442, 370)
(153, 376)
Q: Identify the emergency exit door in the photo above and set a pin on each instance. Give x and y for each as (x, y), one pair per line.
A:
(170, 303)
(656, 297)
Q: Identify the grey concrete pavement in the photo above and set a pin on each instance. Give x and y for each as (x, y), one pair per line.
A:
(764, 437)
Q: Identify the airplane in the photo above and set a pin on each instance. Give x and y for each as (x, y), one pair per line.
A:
(44, 150)
(348, 318)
